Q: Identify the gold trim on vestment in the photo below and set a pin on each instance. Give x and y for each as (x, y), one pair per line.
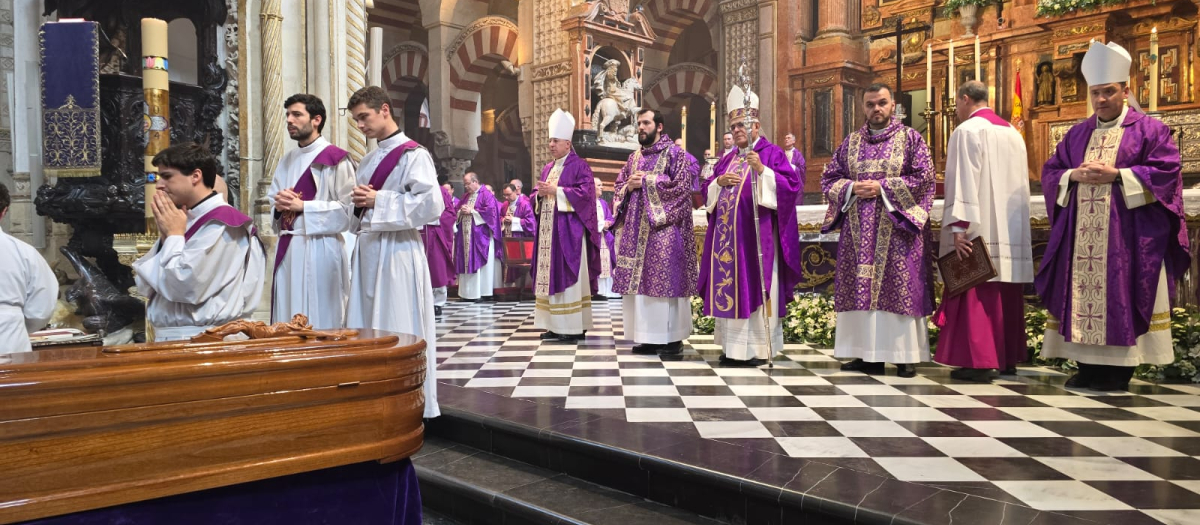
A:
(724, 243)
(891, 167)
(466, 225)
(543, 304)
(1089, 259)
(548, 205)
(636, 263)
(507, 229)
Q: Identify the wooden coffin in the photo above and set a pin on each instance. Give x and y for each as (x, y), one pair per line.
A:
(84, 428)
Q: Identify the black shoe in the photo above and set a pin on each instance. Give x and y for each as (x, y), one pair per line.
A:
(978, 375)
(548, 335)
(858, 365)
(1079, 380)
(468, 300)
(1009, 371)
(672, 348)
(646, 349)
(487, 299)
(437, 310)
(599, 297)
(1110, 386)
(752, 362)
(570, 338)
(905, 370)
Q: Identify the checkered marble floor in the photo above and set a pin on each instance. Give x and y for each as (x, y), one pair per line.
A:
(1133, 456)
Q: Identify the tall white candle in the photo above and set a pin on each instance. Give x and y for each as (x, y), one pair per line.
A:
(951, 66)
(977, 58)
(1154, 61)
(929, 72)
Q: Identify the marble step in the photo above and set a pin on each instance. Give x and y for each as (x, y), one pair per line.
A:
(465, 485)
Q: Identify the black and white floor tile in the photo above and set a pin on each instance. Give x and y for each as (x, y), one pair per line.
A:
(1041, 445)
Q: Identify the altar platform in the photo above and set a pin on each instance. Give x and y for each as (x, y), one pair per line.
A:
(802, 441)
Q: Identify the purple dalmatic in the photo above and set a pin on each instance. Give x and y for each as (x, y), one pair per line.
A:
(730, 281)
(608, 252)
(881, 262)
(521, 213)
(656, 249)
(797, 160)
(1138, 242)
(561, 235)
(439, 247)
(472, 240)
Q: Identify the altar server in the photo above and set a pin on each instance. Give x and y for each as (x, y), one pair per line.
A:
(397, 194)
(311, 193)
(28, 289)
(208, 265)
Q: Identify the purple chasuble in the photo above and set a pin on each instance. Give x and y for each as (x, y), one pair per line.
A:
(521, 213)
(655, 244)
(439, 239)
(306, 187)
(799, 164)
(559, 240)
(472, 240)
(1139, 241)
(882, 261)
(730, 281)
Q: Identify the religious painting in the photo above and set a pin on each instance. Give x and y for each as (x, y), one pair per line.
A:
(1045, 84)
(966, 73)
(1170, 76)
(822, 122)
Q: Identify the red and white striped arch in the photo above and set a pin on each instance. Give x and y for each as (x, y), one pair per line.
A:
(396, 16)
(665, 91)
(480, 47)
(404, 67)
(669, 18)
(511, 140)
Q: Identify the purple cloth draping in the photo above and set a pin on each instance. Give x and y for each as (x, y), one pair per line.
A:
(469, 259)
(882, 261)
(363, 493)
(439, 244)
(1140, 241)
(730, 281)
(656, 253)
(570, 231)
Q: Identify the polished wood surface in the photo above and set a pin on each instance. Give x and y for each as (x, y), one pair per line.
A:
(84, 428)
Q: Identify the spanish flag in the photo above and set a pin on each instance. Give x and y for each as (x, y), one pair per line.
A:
(1017, 121)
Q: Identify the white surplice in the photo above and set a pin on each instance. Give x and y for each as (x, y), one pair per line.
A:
(745, 339)
(314, 276)
(28, 293)
(215, 277)
(390, 287)
(483, 282)
(987, 185)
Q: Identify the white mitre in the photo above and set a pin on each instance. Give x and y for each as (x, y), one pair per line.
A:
(562, 125)
(736, 102)
(1106, 64)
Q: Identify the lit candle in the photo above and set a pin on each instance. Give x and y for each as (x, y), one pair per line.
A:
(683, 126)
(951, 64)
(929, 73)
(712, 126)
(1154, 70)
(977, 77)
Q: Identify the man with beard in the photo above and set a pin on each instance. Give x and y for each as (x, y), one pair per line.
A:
(567, 244)
(1118, 240)
(439, 250)
(755, 181)
(311, 191)
(656, 249)
(794, 156)
(879, 185)
(208, 265)
(476, 241)
(397, 194)
(608, 255)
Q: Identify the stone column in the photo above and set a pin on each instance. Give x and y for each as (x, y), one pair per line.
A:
(834, 17)
(356, 68)
(273, 125)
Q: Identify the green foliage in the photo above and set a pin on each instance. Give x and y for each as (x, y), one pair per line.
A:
(1051, 8)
